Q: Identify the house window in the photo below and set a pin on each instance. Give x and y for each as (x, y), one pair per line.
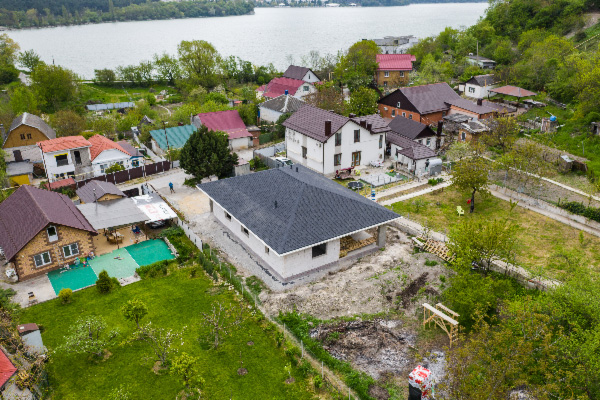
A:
(428, 141)
(135, 163)
(71, 250)
(385, 108)
(386, 74)
(384, 83)
(228, 216)
(29, 136)
(52, 233)
(357, 136)
(61, 160)
(393, 113)
(77, 155)
(337, 159)
(245, 231)
(409, 116)
(306, 88)
(443, 113)
(380, 141)
(267, 249)
(103, 167)
(304, 152)
(356, 158)
(42, 259)
(463, 136)
(401, 74)
(471, 90)
(22, 136)
(320, 250)
(338, 139)
(398, 105)
(404, 114)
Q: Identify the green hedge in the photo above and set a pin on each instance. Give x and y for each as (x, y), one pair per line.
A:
(265, 138)
(579, 209)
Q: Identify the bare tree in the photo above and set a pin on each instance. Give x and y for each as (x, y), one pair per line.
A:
(160, 340)
(88, 336)
(221, 321)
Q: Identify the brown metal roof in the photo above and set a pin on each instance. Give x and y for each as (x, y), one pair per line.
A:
(29, 210)
(310, 121)
(378, 124)
(296, 72)
(410, 148)
(410, 128)
(513, 91)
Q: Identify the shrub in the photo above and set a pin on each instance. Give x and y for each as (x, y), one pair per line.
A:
(431, 263)
(305, 368)
(65, 295)
(104, 283)
(159, 268)
(318, 381)
(435, 181)
(579, 209)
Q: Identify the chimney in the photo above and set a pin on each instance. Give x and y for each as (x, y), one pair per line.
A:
(352, 115)
(296, 169)
(286, 92)
(369, 126)
(327, 128)
(275, 203)
(479, 102)
(363, 123)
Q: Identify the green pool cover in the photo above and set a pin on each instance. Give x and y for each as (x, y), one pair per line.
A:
(74, 278)
(118, 263)
(149, 252)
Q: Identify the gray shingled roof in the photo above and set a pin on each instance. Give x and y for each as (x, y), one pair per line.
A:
(483, 80)
(133, 151)
(283, 104)
(86, 192)
(310, 121)
(35, 122)
(295, 72)
(310, 208)
(410, 128)
(410, 148)
(29, 210)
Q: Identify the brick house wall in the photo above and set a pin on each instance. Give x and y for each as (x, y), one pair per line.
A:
(387, 111)
(25, 264)
(395, 78)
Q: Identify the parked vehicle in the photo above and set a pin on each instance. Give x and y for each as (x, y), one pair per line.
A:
(284, 160)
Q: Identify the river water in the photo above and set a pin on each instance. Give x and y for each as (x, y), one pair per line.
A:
(271, 35)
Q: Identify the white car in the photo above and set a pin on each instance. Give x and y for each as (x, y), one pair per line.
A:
(284, 160)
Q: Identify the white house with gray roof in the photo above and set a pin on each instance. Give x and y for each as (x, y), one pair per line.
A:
(296, 221)
(327, 142)
(271, 110)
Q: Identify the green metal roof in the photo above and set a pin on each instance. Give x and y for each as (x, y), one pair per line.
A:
(177, 135)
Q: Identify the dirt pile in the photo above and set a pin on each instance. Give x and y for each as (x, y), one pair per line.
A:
(376, 347)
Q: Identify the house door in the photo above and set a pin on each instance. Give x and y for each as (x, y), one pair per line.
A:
(356, 158)
(18, 156)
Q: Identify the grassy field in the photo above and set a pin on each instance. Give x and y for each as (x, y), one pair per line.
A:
(540, 237)
(173, 301)
(105, 94)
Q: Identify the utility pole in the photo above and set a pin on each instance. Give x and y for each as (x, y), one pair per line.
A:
(167, 139)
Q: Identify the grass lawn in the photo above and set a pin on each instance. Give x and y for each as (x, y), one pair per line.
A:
(540, 237)
(108, 94)
(173, 301)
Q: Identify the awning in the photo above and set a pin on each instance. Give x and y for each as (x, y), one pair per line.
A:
(154, 207)
(112, 213)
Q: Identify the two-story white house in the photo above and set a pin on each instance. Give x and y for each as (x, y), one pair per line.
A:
(302, 73)
(105, 153)
(478, 87)
(66, 157)
(327, 142)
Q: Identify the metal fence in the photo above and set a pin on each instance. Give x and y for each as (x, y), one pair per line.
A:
(130, 174)
(266, 155)
(190, 234)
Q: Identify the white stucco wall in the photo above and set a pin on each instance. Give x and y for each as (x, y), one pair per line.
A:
(418, 169)
(286, 266)
(240, 143)
(52, 170)
(300, 93)
(478, 91)
(320, 156)
(268, 115)
(32, 153)
(108, 158)
(310, 77)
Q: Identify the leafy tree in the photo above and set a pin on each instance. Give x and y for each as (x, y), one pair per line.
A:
(327, 97)
(248, 113)
(207, 153)
(65, 295)
(472, 174)
(8, 73)
(134, 310)
(186, 367)
(53, 85)
(8, 50)
(363, 101)
(29, 60)
(89, 335)
(104, 283)
(22, 99)
(483, 241)
(357, 67)
(525, 163)
(105, 76)
(199, 61)
(105, 125)
(167, 68)
(279, 129)
(67, 123)
(114, 168)
(459, 150)
(161, 340)
(221, 321)
(502, 134)
(216, 97)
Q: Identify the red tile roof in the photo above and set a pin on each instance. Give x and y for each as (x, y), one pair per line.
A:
(100, 143)
(29, 210)
(63, 143)
(7, 369)
(278, 86)
(227, 121)
(62, 183)
(395, 62)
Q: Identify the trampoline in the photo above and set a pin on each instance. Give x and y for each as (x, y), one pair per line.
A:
(73, 278)
(149, 252)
